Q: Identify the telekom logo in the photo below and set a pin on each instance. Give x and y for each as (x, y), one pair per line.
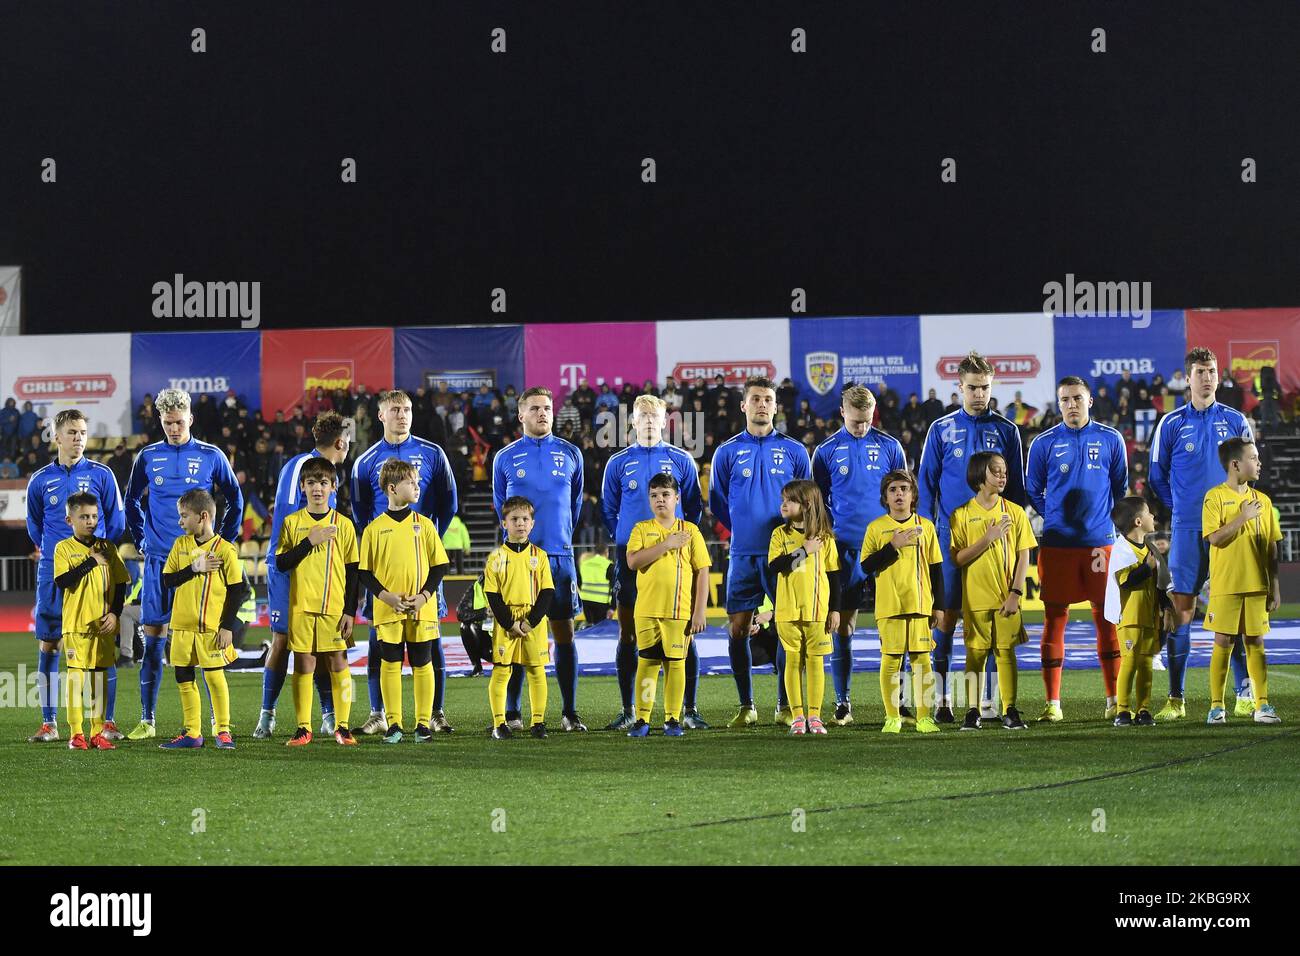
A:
(570, 374)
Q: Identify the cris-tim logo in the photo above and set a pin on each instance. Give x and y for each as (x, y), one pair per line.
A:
(1008, 368)
(59, 386)
(734, 373)
(1246, 358)
(327, 374)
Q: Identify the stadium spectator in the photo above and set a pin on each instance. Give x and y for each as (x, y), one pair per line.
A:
(9, 427)
(1229, 392)
(9, 468)
(671, 396)
(511, 402)
(146, 420)
(583, 399)
(913, 416)
(952, 406)
(932, 408)
(1270, 396)
(1178, 385)
(569, 419)
(29, 424)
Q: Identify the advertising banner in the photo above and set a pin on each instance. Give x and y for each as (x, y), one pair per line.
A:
(1100, 349)
(460, 357)
(210, 363)
(295, 363)
(11, 288)
(54, 372)
(1018, 346)
(560, 356)
(828, 354)
(1245, 340)
(733, 348)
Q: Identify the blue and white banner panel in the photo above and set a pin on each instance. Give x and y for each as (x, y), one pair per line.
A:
(1100, 349)
(460, 357)
(828, 354)
(201, 363)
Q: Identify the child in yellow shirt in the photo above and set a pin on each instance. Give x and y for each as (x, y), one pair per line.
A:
(672, 591)
(991, 540)
(1242, 529)
(93, 579)
(803, 561)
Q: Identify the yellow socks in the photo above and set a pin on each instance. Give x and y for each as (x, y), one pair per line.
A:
(674, 689)
(219, 692)
(390, 689)
(816, 672)
(1007, 675)
(1257, 667)
(496, 692)
(191, 708)
(536, 693)
(890, 666)
(302, 691)
(922, 682)
(1124, 684)
(341, 684)
(423, 678)
(974, 672)
(647, 680)
(1143, 682)
(794, 683)
(75, 683)
(1219, 658)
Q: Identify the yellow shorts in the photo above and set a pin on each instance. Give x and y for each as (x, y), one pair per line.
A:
(981, 628)
(314, 633)
(1138, 640)
(1237, 614)
(804, 637)
(409, 631)
(901, 635)
(191, 649)
(663, 631)
(530, 650)
(88, 651)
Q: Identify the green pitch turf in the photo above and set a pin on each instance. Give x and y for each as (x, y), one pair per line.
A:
(1077, 792)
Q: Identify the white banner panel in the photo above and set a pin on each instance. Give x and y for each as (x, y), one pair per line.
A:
(10, 296)
(734, 348)
(1020, 347)
(54, 372)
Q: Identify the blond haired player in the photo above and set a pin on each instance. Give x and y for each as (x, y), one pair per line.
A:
(93, 580)
(671, 563)
(518, 587)
(318, 550)
(1240, 526)
(204, 572)
(402, 564)
(901, 549)
(991, 540)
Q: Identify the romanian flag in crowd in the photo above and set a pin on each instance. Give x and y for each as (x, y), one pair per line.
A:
(255, 515)
(1025, 414)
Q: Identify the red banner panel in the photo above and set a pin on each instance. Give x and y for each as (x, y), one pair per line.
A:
(1245, 340)
(295, 363)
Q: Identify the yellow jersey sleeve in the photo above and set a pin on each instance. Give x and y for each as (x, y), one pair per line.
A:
(699, 551)
(958, 535)
(930, 541)
(776, 544)
(544, 565)
(1025, 540)
(1274, 532)
(117, 571)
(435, 553)
(63, 560)
(1212, 517)
(493, 572)
(347, 541)
(832, 554)
(177, 558)
(636, 540)
(366, 561)
(231, 569)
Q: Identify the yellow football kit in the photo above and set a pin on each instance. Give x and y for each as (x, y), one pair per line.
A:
(985, 586)
(84, 605)
(803, 603)
(664, 595)
(1239, 585)
(518, 573)
(1138, 632)
(317, 584)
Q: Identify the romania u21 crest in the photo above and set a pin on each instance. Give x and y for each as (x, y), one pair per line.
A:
(823, 369)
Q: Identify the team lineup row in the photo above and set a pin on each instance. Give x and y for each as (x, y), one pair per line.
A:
(1075, 478)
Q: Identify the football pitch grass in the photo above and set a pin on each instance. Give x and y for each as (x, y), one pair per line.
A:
(1078, 792)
